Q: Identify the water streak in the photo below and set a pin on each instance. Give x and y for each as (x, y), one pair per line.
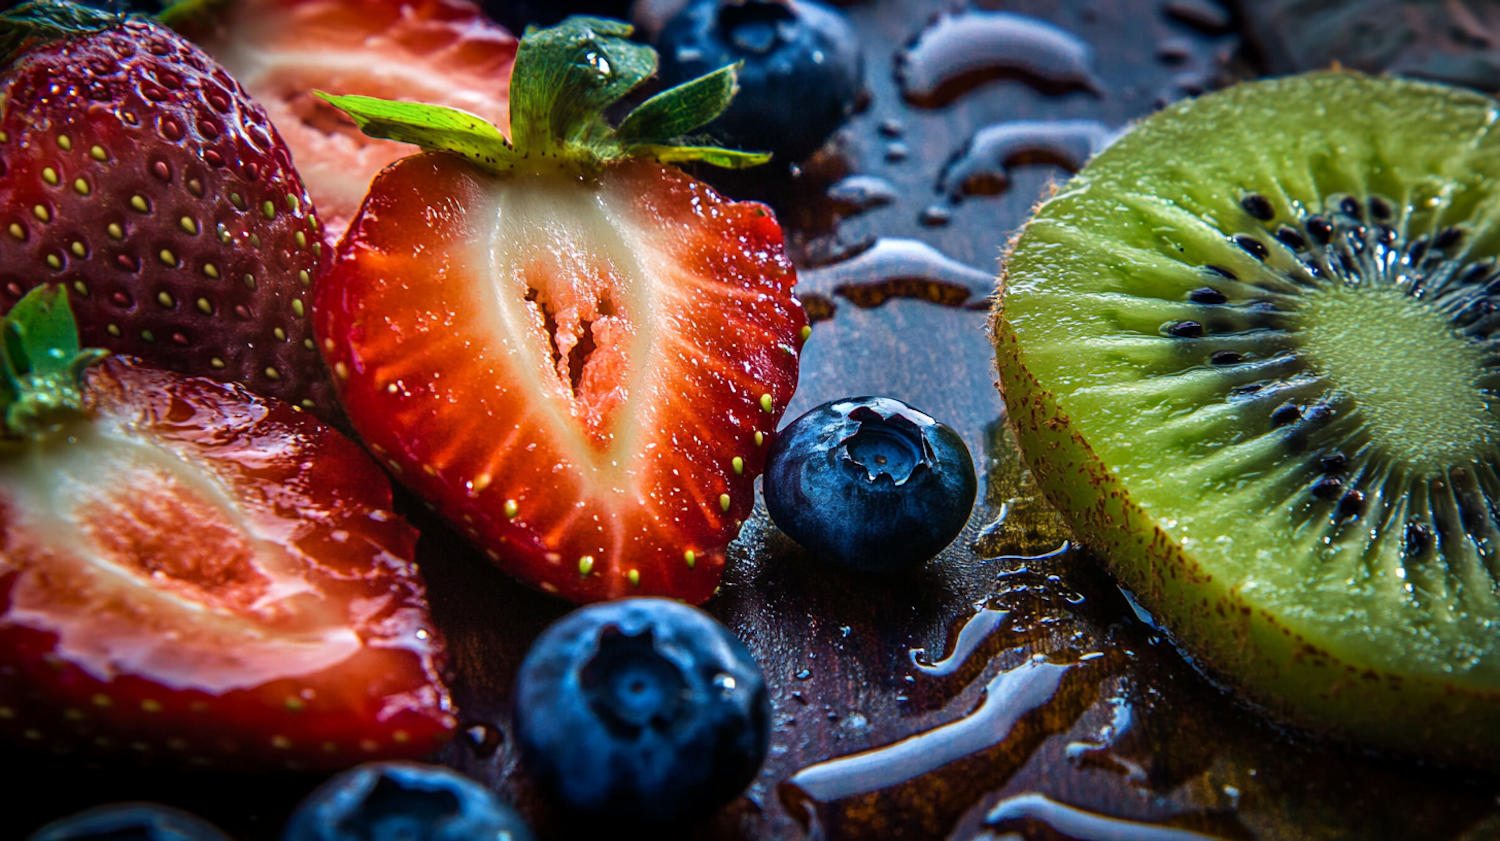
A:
(973, 633)
(1008, 696)
(899, 268)
(959, 51)
(1015, 813)
(982, 166)
(1046, 556)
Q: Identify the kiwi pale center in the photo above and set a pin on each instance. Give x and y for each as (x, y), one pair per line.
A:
(1414, 379)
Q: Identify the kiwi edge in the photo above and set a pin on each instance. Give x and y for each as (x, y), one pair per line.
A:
(1247, 352)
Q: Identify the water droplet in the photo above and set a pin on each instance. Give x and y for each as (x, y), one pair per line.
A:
(982, 166)
(960, 51)
(1174, 51)
(1026, 810)
(1055, 553)
(862, 192)
(1140, 612)
(899, 268)
(1207, 17)
(935, 216)
(483, 738)
(1008, 696)
(970, 636)
(804, 674)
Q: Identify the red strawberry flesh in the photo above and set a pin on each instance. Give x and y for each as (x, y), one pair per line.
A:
(573, 371)
(443, 51)
(198, 573)
(136, 172)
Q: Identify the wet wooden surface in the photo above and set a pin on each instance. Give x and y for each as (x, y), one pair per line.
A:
(984, 695)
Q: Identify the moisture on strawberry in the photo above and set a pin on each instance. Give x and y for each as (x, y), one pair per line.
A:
(574, 351)
(192, 573)
(135, 171)
(442, 51)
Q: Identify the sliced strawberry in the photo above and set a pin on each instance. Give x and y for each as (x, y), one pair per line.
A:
(577, 354)
(191, 571)
(134, 170)
(443, 51)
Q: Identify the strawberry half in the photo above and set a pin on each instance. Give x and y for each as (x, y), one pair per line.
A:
(190, 571)
(135, 171)
(442, 51)
(576, 353)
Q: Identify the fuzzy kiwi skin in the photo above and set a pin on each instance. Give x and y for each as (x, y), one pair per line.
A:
(1235, 642)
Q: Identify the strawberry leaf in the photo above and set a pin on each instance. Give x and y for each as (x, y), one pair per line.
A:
(178, 13)
(42, 361)
(713, 155)
(432, 127)
(563, 80)
(677, 111)
(23, 27)
(566, 76)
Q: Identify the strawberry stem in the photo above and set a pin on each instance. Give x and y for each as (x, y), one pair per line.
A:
(30, 24)
(563, 80)
(41, 363)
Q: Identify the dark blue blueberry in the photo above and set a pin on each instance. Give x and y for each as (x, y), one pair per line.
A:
(403, 801)
(869, 483)
(803, 72)
(516, 15)
(643, 710)
(130, 822)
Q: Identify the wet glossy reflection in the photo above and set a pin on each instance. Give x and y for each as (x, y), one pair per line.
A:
(983, 166)
(1024, 812)
(959, 51)
(898, 268)
(973, 634)
(1007, 697)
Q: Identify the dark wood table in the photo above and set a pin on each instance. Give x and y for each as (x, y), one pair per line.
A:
(986, 694)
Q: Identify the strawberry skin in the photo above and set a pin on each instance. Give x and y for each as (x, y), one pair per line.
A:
(135, 171)
(443, 51)
(582, 374)
(199, 575)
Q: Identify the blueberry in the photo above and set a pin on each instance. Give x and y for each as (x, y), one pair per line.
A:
(643, 710)
(516, 15)
(403, 801)
(802, 76)
(130, 822)
(869, 483)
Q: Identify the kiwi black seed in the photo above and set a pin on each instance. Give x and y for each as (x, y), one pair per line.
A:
(1253, 353)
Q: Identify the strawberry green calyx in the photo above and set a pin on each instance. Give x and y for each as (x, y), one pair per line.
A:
(563, 80)
(39, 21)
(41, 363)
(180, 14)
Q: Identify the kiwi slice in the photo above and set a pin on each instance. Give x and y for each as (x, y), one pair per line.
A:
(1250, 352)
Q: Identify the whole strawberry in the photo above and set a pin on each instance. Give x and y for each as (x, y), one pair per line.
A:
(135, 171)
(573, 350)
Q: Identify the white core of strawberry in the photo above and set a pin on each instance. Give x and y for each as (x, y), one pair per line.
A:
(563, 270)
(94, 528)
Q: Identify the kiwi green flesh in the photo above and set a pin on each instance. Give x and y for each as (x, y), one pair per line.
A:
(1252, 352)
